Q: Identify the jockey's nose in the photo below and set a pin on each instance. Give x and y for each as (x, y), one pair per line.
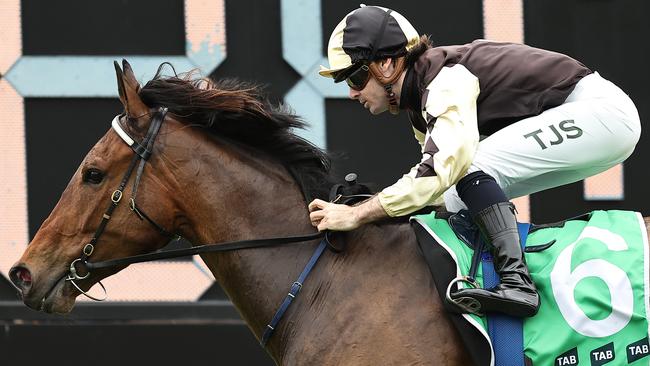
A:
(21, 278)
(354, 94)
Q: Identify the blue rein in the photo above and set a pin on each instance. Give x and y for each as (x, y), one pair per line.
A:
(335, 197)
(293, 292)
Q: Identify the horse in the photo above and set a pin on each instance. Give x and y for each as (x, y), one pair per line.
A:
(227, 166)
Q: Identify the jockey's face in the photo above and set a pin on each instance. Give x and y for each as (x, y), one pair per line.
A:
(373, 96)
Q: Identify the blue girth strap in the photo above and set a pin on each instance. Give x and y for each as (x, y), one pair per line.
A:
(506, 332)
(293, 292)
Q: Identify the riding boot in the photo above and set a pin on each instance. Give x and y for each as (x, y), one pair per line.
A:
(516, 295)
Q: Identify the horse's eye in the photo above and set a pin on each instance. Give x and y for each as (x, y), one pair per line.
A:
(93, 176)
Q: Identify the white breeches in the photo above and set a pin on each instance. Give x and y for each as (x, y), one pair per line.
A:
(596, 128)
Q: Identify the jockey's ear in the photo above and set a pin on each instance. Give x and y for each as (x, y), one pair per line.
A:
(128, 87)
(387, 65)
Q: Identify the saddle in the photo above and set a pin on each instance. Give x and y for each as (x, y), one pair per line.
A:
(348, 193)
(580, 319)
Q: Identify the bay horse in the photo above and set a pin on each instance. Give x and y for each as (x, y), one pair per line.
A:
(226, 166)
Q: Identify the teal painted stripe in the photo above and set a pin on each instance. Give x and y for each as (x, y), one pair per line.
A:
(309, 104)
(208, 57)
(301, 33)
(603, 197)
(301, 48)
(81, 76)
(326, 86)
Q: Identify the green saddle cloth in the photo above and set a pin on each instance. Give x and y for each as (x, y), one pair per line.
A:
(593, 285)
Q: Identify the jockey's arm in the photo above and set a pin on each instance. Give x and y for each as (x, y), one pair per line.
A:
(449, 144)
(448, 149)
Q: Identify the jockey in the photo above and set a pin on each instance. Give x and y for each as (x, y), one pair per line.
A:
(495, 121)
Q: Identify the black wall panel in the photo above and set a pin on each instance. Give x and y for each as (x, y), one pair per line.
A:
(59, 132)
(127, 27)
(378, 149)
(131, 344)
(254, 47)
(609, 37)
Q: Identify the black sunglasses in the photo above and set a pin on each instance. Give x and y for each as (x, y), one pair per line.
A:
(358, 79)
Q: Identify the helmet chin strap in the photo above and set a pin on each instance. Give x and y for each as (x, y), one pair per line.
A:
(387, 82)
(393, 108)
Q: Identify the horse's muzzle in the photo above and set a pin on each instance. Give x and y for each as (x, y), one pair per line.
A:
(21, 277)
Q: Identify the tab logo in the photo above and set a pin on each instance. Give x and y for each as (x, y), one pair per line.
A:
(568, 358)
(637, 350)
(602, 355)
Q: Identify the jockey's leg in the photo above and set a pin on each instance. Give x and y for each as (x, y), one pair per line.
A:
(495, 216)
(596, 128)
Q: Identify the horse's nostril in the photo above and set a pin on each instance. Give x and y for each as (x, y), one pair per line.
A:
(21, 277)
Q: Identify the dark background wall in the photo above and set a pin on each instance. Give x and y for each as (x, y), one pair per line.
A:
(608, 36)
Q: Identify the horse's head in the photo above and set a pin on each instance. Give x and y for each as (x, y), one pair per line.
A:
(92, 219)
(250, 163)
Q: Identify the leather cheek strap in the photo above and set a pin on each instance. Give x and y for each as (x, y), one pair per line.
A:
(383, 79)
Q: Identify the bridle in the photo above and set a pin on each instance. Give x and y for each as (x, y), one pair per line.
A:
(142, 154)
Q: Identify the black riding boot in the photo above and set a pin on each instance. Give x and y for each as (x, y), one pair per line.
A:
(516, 295)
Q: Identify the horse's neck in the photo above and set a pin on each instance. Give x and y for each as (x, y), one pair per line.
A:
(231, 195)
(379, 277)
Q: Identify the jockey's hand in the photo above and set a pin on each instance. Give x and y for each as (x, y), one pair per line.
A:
(332, 216)
(337, 217)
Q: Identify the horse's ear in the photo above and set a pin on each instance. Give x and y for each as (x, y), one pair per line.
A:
(128, 87)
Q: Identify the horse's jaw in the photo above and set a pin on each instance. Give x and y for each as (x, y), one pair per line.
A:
(59, 299)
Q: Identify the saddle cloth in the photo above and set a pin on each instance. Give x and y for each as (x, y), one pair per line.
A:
(592, 275)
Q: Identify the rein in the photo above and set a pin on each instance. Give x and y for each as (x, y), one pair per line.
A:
(206, 248)
(142, 154)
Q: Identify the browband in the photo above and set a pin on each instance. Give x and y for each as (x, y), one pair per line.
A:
(135, 146)
(120, 131)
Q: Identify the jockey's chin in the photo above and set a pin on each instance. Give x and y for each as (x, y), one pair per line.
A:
(375, 110)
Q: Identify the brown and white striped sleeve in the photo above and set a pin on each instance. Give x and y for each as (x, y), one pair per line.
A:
(449, 145)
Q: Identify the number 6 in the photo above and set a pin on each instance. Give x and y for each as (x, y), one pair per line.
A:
(564, 282)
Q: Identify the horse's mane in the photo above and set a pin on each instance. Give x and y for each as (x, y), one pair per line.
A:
(240, 112)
